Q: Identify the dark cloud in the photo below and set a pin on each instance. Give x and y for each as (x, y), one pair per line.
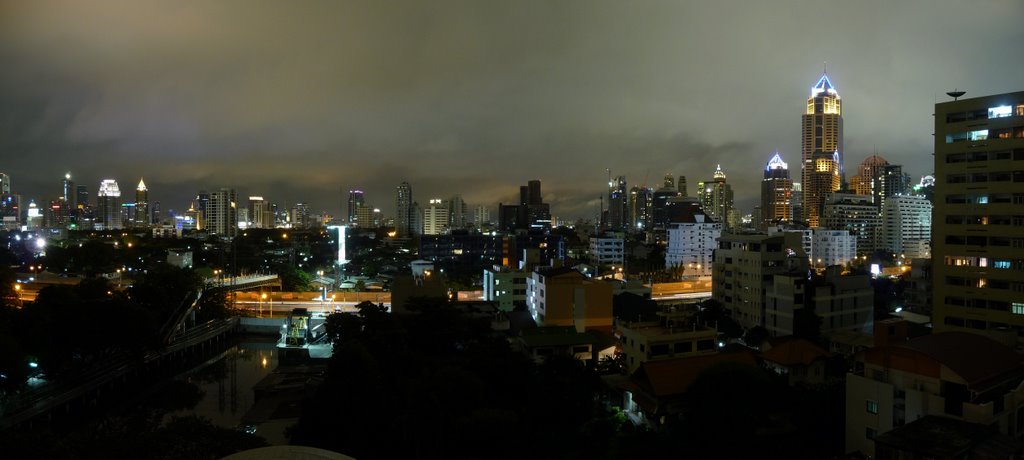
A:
(297, 101)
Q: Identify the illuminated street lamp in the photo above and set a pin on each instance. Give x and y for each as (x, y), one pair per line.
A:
(263, 297)
(17, 289)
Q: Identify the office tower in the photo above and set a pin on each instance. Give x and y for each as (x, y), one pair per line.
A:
(776, 193)
(618, 204)
(534, 195)
(355, 200)
(81, 196)
(640, 199)
(863, 182)
(715, 197)
(221, 213)
(368, 217)
(5, 184)
(141, 217)
(890, 182)
(978, 247)
(659, 204)
(456, 212)
(260, 215)
(907, 226)
(417, 218)
(538, 213)
(681, 186)
(435, 217)
(798, 203)
(68, 192)
(108, 206)
(404, 210)
(822, 148)
(300, 217)
(155, 213)
(669, 181)
(202, 201)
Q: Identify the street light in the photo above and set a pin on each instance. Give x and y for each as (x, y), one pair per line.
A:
(17, 289)
(263, 297)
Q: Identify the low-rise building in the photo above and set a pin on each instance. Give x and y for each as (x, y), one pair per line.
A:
(607, 250)
(744, 267)
(565, 297)
(643, 341)
(843, 302)
(957, 375)
(505, 286)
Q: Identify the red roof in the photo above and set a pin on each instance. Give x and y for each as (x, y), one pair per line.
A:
(794, 351)
(674, 376)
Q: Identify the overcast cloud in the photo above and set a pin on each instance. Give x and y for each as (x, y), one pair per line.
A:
(296, 101)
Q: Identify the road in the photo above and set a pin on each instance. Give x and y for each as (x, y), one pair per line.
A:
(284, 307)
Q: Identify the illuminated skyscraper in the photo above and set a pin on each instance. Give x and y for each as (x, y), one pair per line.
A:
(260, 215)
(715, 197)
(355, 200)
(403, 210)
(5, 184)
(141, 218)
(822, 166)
(108, 206)
(776, 193)
(869, 169)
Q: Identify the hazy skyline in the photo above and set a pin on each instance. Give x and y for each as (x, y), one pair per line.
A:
(295, 101)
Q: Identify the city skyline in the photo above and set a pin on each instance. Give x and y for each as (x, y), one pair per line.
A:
(469, 99)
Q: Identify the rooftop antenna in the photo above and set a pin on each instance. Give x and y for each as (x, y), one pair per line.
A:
(955, 94)
(825, 70)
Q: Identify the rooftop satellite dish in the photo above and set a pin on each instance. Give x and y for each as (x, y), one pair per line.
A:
(956, 94)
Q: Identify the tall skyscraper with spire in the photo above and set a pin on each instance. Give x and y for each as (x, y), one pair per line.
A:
(716, 198)
(822, 159)
(776, 193)
(141, 217)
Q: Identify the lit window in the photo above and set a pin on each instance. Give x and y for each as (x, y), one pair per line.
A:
(1001, 264)
(979, 135)
(1000, 112)
(872, 406)
(1017, 308)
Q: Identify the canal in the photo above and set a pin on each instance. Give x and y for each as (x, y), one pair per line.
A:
(224, 384)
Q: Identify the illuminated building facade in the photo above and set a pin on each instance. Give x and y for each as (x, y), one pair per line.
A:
(141, 217)
(776, 193)
(108, 206)
(869, 169)
(435, 217)
(822, 148)
(978, 244)
(715, 197)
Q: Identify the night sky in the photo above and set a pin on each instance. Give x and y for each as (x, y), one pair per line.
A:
(296, 100)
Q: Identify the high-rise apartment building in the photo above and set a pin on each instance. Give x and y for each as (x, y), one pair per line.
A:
(890, 182)
(435, 217)
(822, 148)
(221, 216)
(907, 226)
(691, 244)
(482, 216)
(355, 200)
(5, 184)
(857, 214)
(640, 200)
(776, 193)
(108, 206)
(715, 197)
(978, 241)
(403, 210)
(743, 269)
